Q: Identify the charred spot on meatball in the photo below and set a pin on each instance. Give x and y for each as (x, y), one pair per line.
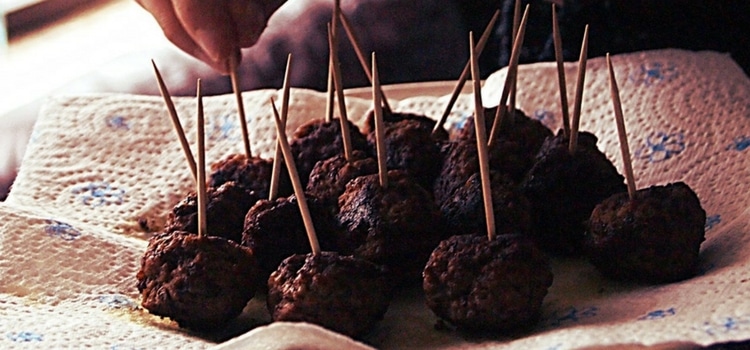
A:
(396, 226)
(274, 230)
(225, 212)
(563, 190)
(464, 211)
(482, 285)
(319, 140)
(329, 177)
(654, 237)
(253, 174)
(201, 282)
(341, 293)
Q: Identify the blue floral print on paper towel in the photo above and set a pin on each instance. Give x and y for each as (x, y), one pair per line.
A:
(223, 126)
(725, 325)
(62, 230)
(652, 73)
(740, 143)
(712, 221)
(118, 123)
(661, 146)
(658, 314)
(117, 301)
(25, 337)
(99, 193)
(572, 314)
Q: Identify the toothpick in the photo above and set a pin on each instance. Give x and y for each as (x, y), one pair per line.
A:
(479, 127)
(201, 188)
(514, 86)
(330, 92)
(361, 56)
(379, 125)
(579, 93)
(240, 105)
(465, 73)
(331, 89)
(510, 77)
(299, 191)
(560, 72)
(615, 92)
(345, 133)
(177, 126)
(276, 170)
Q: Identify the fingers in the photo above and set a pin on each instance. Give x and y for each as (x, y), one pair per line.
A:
(251, 18)
(211, 27)
(165, 15)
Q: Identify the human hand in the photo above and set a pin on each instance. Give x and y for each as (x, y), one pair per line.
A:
(212, 31)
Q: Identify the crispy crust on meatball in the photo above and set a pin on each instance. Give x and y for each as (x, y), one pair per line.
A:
(225, 212)
(653, 238)
(563, 190)
(201, 282)
(483, 285)
(341, 293)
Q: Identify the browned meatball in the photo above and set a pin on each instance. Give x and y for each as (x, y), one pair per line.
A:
(482, 285)
(424, 122)
(254, 174)
(341, 293)
(528, 133)
(397, 226)
(329, 177)
(319, 140)
(464, 211)
(563, 190)
(201, 282)
(225, 211)
(461, 161)
(654, 237)
(274, 230)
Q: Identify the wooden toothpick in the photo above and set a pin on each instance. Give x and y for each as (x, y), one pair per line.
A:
(273, 190)
(560, 72)
(201, 187)
(615, 93)
(233, 66)
(465, 73)
(299, 191)
(481, 132)
(379, 125)
(514, 85)
(579, 93)
(345, 133)
(361, 56)
(177, 126)
(509, 78)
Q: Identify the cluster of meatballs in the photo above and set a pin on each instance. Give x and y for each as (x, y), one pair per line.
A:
(425, 228)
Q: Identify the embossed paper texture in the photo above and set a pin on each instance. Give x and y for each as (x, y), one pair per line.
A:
(101, 173)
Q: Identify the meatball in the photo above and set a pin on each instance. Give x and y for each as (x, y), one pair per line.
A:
(319, 140)
(274, 230)
(654, 237)
(563, 190)
(464, 211)
(225, 212)
(424, 122)
(397, 226)
(461, 161)
(482, 285)
(528, 133)
(201, 282)
(329, 177)
(253, 174)
(342, 293)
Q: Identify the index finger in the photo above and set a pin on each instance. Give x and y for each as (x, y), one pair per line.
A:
(211, 27)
